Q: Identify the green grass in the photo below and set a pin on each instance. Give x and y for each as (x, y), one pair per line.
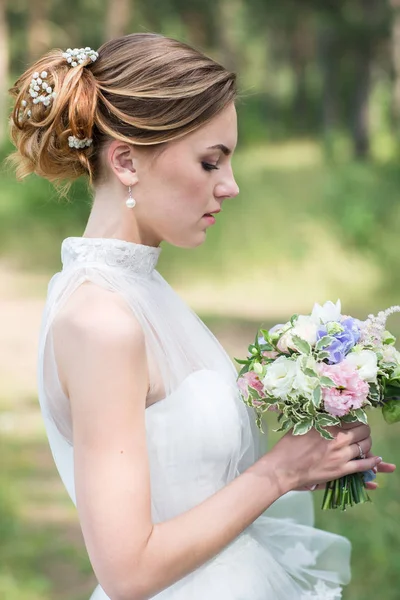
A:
(297, 218)
(300, 231)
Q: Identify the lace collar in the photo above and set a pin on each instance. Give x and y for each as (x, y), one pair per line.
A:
(136, 258)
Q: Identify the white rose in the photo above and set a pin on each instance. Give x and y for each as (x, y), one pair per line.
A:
(366, 362)
(280, 376)
(286, 339)
(390, 355)
(303, 384)
(305, 328)
(327, 312)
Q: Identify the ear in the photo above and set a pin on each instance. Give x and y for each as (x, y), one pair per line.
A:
(122, 159)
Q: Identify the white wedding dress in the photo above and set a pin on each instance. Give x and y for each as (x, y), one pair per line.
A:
(200, 436)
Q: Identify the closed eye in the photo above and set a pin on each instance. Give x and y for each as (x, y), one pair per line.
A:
(208, 166)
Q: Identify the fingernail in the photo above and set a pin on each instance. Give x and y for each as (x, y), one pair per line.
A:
(379, 459)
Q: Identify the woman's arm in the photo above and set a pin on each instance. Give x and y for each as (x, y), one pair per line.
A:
(101, 358)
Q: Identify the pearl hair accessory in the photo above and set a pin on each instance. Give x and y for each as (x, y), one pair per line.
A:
(42, 93)
(74, 142)
(130, 202)
(77, 56)
(38, 84)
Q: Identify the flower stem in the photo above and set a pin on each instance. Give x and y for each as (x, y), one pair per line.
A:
(345, 492)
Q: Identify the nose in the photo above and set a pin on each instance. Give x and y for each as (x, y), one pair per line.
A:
(227, 189)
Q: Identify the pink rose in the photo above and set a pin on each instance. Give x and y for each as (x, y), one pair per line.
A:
(351, 391)
(270, 354)
(250, 379)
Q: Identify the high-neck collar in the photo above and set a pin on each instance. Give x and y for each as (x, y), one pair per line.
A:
(135, 258)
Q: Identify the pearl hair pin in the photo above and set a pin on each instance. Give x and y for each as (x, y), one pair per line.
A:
(74, 142)
(41, 92)
(77, 56)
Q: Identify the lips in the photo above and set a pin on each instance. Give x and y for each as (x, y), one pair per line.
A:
(210, 214)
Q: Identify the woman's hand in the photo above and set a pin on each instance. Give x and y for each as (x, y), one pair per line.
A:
(383, 467)
(302, 461)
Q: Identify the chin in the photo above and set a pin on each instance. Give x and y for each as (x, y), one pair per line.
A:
(190, 242)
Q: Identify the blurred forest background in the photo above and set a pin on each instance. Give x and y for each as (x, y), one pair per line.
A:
(318, 165)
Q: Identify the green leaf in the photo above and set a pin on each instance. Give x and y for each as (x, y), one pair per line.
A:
(324, 342)
(309, 372)
(285, 426)
(242, 362)
(316, 398)
(243, 371)
(301, 345)
(361, 415)
(327, 382)
(349, 419)
(265, 334)
(259, 422)
(388, 338)
(391, 411)
(303, 427)
(327, 420)
(266, 348)
(322, 355)
(325, 434)
(310, 409)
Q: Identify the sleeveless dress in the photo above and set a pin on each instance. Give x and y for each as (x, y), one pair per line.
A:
(200, 436)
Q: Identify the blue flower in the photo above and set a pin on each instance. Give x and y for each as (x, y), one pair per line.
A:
(344, 340)
(369, 476)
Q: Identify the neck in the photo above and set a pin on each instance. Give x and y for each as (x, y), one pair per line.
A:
(111, 218)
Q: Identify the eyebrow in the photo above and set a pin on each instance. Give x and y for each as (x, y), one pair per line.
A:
(222, 147)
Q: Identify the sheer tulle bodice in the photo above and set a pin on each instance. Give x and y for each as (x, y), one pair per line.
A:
(200, 435)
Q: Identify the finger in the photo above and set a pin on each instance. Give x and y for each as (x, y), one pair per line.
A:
(351, 436)
(371, 485)
(358, 434)
(363, 464)
(347, 426)
(383, 467)
(360, 449)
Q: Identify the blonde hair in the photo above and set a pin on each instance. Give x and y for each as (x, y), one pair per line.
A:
(143, 89)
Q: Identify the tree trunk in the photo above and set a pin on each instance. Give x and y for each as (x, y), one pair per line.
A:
(3, 70)
(328, 64)
(302, 50)
(228, 32)
(118, 18)
(195, 27)
(38, 34)
(363, 52)
(360, 128)
(396, 60)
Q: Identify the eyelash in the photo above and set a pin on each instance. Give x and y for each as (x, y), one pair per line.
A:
(208, 166)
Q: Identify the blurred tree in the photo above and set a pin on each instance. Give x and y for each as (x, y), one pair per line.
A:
(395, 48)
(39, 30)
(228, 16)
(4, 42)
(118, 18)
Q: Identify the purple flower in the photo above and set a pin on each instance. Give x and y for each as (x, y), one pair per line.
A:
(343, 341)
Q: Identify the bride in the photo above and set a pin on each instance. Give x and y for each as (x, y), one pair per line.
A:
(139, 400)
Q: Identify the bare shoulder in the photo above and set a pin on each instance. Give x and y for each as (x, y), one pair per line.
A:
(96, 327)
(95, 311)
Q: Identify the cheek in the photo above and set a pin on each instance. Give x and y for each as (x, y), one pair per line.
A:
(184, 186)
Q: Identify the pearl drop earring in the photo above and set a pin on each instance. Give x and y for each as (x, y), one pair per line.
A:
(130, 202)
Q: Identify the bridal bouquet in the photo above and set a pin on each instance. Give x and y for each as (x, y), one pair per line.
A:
(320, 370)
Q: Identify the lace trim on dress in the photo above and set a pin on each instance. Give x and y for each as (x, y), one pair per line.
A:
(135, 258)
(323, 592)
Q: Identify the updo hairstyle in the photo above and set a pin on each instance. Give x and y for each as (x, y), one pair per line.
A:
(143, 89)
